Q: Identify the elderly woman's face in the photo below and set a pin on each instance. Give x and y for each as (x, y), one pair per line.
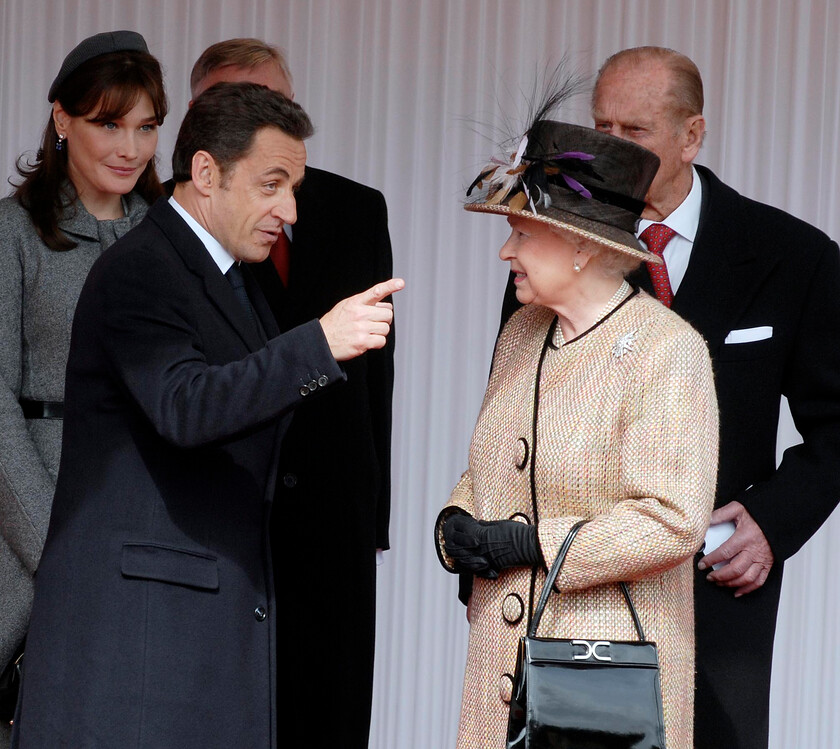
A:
(542, 261)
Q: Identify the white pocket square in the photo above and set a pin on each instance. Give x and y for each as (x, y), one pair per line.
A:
(747, 335)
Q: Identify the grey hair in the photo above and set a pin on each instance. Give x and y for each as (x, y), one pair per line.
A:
(238, 53)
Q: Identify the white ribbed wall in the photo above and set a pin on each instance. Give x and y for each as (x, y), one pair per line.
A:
(391, 87)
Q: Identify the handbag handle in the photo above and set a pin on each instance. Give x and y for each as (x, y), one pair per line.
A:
(552, 577)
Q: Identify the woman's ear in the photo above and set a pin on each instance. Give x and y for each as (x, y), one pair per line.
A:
(582, 257)
(60, 118)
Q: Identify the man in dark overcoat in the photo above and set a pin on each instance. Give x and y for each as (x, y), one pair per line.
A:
(764, 290)
(338, 247)
(153, 622)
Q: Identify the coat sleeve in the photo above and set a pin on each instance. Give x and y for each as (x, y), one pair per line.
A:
(460, 503)
(462, 500)
(792, 505)
(152, 335)
(380, 379)
(26, 486)
(668, 468)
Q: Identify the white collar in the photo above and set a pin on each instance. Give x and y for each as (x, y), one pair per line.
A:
(220, 255)
(685, 218)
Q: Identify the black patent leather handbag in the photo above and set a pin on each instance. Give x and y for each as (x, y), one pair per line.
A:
(582, 693)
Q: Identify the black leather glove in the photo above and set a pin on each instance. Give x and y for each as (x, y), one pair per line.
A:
(485, 547)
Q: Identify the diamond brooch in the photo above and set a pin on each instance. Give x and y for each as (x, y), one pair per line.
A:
(624, 345)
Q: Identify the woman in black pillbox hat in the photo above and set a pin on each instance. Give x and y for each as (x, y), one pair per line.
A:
(91, 181)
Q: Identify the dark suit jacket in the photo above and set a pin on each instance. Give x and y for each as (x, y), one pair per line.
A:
(335, 462)
(753, 265)
(154, 605)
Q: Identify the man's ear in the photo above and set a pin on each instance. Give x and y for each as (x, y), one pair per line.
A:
(205, 172)
(694, 132)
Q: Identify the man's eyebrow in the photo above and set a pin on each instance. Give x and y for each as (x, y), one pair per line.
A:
(277, 171)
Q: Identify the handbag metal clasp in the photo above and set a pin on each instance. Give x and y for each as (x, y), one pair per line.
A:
(592, 650)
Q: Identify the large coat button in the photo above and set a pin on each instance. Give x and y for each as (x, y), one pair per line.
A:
(506, 687)
(290, 481)
(260, 613)
(513, 608)
(522, 453)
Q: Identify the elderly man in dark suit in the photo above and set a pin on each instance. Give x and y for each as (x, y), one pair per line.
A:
(764, 290)
(338, 246)
(153, 622)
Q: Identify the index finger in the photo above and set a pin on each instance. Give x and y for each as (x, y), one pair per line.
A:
(381, 290)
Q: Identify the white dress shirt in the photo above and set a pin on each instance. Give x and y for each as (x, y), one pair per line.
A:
(220, 255)
(683, 220)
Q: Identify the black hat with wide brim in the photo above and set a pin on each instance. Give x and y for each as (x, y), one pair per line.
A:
(574, 178)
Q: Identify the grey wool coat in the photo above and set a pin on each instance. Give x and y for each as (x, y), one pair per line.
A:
(39, 288)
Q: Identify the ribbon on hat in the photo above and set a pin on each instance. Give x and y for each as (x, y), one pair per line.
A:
(542, 172)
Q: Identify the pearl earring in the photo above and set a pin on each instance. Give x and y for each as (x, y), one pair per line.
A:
(576, 267)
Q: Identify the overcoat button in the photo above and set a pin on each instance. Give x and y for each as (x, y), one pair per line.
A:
(290, 481)
(506, 687)
(312, 385)
(513, 608)
(323, 380)
(522, 452)
(260, 614)
(304, 391)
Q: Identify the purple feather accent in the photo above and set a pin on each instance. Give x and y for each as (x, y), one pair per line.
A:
(576, 186)
(575, 155)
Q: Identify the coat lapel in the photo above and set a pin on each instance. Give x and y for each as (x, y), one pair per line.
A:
(196, 258)
(272, 290)
(312, 240)
(261, 307)
(725, 268)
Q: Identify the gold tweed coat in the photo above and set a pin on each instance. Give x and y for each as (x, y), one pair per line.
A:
(618, 426)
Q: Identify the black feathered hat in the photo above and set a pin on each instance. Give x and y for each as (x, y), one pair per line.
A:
(576, 178)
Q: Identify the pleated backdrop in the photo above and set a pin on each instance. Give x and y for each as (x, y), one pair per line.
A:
(409, 97)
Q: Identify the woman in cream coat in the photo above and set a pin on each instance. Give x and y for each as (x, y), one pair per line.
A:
(600, 406)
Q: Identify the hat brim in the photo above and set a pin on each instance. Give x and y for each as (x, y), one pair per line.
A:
(595, 231)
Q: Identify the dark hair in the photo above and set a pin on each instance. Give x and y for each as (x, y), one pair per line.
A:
(109, 85)
(224, 120)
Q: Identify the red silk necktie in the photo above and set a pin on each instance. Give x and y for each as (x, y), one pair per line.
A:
(656, 237)
(279, 255)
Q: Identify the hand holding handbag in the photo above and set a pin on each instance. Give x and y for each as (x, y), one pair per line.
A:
(584, 694)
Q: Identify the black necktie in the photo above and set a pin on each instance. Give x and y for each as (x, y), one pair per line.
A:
(237, 280)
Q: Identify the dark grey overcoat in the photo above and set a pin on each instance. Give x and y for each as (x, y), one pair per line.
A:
(341, 247)
(154, 605)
